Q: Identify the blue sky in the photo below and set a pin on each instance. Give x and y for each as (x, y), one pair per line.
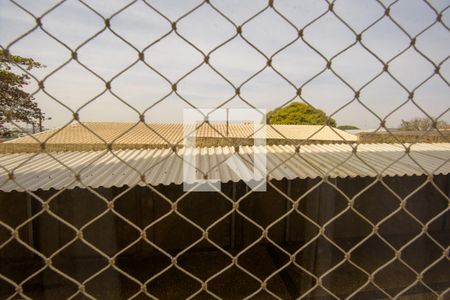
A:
(73, 23)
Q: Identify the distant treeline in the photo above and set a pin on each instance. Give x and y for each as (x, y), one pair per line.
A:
(443, 136)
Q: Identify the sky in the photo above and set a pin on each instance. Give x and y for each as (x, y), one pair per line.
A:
(72, 23)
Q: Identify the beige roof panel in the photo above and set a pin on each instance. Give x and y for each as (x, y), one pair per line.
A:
(96, 136)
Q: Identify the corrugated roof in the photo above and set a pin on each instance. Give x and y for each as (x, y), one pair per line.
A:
(163, 166)
(96, 136)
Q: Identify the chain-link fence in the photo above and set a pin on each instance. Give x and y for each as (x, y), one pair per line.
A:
(338, 220)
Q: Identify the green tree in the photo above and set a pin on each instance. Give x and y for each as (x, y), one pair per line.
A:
(421, 124)
(299, 114)
(16, 104)
(347, 127)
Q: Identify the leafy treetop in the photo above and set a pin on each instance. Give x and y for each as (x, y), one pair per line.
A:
(299, 114)
(421, 124)
(347, 127)
(16, 105)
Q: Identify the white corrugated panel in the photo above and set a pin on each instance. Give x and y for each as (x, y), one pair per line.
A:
(162, 166)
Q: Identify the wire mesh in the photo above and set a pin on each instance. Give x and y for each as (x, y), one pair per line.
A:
(319, 247)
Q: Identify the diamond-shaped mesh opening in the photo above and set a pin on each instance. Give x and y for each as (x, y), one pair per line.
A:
(291, 282)
(9, 204)
(215, 206)
(246, 232)
(418, 290)
(4, 235)
(132, 22)
(391, 228)
(268, 23)
(402, 191)
(94, 198)
(119, 235)
(238, 283)
(173, 225)
(428, 253)
(6, 289)
(339, 278)
(395, 38)
(313, 205)
(68, 205)
(204, 260)
(172, 283)
(58, 22)
(49, 283)
(269, 257)
(28, 265)
(142, 206)
(252, 61)
(426, 203)
(369, 290)
(206, 28)
(375, 211)
(437, 229)
(435, 277)
(44, 240)
(329, 256)
(87, 261)
(221, 233)
(142, 261)
(300, 232)
(337, 230)
(254, 205)
(326, 28)
(320, 292)
(401, 16)
(392, 273)
(375, 248)
(112, 284)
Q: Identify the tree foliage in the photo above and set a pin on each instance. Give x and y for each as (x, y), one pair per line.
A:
(16, 104)
(421, 124)
(299, 114)
(347, 127)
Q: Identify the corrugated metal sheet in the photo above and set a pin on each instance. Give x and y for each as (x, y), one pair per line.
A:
(96, 136)
(162, 166)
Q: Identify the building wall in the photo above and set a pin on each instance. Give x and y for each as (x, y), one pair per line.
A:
(149, 209)
(146, 208)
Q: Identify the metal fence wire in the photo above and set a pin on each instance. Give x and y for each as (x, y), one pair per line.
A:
(320, 237)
